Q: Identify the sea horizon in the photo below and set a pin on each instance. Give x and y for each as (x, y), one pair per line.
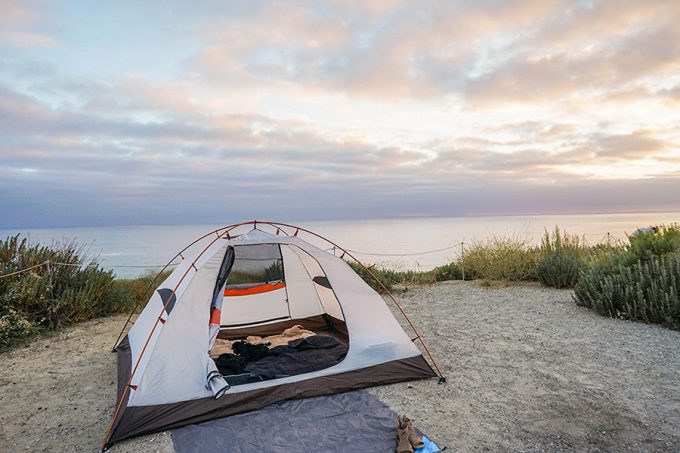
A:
(350, 219)
(423, 242)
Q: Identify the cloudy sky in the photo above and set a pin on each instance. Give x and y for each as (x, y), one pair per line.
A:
(170, 112)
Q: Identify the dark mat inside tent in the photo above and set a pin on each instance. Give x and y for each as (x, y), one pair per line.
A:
(351, 421)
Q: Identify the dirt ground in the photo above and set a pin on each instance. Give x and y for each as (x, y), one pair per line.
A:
(527, 370)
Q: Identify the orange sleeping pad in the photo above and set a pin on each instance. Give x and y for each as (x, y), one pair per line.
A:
(259, 289)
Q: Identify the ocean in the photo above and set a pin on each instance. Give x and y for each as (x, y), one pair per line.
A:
(408, 243)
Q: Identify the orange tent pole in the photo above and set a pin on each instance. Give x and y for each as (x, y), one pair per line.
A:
(384, 288)
(151, 285)
(153, 329)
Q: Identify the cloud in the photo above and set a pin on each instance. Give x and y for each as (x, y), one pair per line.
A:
(345, 109)
(484, 51)
(637, 144)
(21, 22)
(531, 77)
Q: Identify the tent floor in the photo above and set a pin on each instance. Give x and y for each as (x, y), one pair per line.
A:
(295, 362)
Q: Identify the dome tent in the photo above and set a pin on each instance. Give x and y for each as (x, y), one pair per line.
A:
(255, 283)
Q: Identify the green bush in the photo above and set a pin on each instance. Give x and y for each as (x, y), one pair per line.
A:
(605, 252)
(390, 277)
(563, 243)
(49, 297)
(657, 242)
(446, 272)
(558, 270)
(13, 328)
(647, 291)
(140, 288)
(501, 258)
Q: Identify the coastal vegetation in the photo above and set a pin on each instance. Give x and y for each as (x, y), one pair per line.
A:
(60, 288)
(640, 283)
(500, 259)
(638, 280)
(390, 277)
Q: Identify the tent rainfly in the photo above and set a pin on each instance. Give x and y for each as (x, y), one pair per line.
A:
(254, 283)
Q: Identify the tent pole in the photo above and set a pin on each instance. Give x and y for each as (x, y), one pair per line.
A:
(442, 378)
(145, 294)
(153, 329)
(226, 234)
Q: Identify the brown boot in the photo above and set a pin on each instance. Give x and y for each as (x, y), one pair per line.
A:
(403, 444)
(413, 438)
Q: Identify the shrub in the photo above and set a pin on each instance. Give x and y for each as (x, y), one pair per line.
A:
(605, 252)
(51, 297)
(502, 258)
(390, 277)
(13, 328)
(559, 270)
(647, 291)
(140, 288)
(564, 243)
(658, 241)
(446, 272)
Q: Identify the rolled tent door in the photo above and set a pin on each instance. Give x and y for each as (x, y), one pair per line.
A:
(216, 306)
(215, 382)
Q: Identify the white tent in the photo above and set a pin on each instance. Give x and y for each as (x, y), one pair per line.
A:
(166, 375)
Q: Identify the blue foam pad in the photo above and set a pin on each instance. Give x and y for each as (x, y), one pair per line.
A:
(430, 447)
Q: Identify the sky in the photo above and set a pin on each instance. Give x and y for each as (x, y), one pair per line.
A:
(119, 113)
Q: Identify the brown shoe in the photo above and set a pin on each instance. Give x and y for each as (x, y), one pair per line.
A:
(413, 438)
(403, 444)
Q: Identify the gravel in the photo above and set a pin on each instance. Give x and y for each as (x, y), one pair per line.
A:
(59, 393)
(527, 370)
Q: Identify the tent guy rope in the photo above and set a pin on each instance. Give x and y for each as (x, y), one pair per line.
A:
(48, 263)
(153, 266)
(402, 254)
(45, 263)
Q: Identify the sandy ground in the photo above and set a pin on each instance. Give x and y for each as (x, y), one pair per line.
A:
(527, 370)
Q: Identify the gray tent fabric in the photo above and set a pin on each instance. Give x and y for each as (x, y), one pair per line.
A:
(351, 421)
(164, 367)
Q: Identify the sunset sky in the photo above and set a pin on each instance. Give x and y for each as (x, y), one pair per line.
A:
(170, 112)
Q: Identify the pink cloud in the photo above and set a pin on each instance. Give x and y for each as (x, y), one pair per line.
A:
(20, 22)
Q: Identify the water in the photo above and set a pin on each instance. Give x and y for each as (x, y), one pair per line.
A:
(132, 250)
